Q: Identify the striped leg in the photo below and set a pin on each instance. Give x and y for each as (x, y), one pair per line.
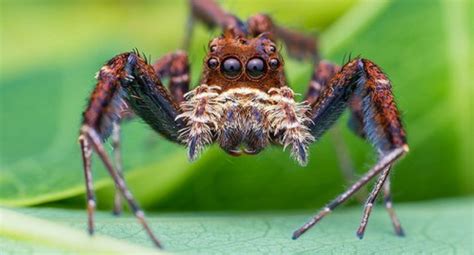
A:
(96, 143)
(387, 198)
(126, 82)
(90, 197)
(384, 163)
(381, 124)
(322, 73)
(175, 66)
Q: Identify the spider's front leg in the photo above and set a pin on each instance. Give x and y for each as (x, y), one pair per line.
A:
(126, 82)
(175, 67)
(381, 126)
(322, 73)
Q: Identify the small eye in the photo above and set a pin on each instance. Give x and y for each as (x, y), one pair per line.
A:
(213, 48)
(274, 63)
(256, 67)
(231, 67)
(212, 63)
(272, 48)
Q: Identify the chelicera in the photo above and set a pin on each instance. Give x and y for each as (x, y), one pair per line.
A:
(243, 103)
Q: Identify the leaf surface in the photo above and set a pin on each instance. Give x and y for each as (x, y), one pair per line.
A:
(441, 227)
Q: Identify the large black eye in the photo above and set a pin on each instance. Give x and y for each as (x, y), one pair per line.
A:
(256, 67)
(231, 67)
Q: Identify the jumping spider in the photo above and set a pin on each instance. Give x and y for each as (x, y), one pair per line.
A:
(243, 101)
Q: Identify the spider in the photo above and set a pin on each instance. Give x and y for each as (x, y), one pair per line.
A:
(244, 104)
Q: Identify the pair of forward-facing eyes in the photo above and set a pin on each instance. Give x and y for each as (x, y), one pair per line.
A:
(231, 67)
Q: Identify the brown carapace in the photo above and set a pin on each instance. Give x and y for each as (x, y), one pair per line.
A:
(243, 103)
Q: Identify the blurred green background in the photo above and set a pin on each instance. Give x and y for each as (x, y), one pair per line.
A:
(50, 51)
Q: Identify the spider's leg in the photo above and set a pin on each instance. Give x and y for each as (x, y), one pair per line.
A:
(125, 82)
(125, 115)
(188, 32)
(356, 124)
(175, 66)
(387, 198)
(381, 124)
(119, 181)
(369, 204)
(322, 73)
(299, 45)
(90, 197)
(382, 164)
(211, 14)
(117, 210)
(345, 161)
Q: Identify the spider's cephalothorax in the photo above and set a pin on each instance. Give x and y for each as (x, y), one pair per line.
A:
(244, 104)
(243, 101)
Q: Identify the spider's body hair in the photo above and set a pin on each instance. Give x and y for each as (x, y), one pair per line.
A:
(246, 117)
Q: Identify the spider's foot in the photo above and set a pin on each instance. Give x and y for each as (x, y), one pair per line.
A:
(399, 231)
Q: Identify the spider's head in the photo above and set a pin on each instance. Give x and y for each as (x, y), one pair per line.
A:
(235, 61)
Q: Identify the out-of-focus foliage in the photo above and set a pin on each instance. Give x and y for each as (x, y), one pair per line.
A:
(50, 51)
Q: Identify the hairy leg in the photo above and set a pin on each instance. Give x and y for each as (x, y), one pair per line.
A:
(126, 81)
(175, 66)
(382, 125)
(322, 73)
(356, 124)
(212, 15)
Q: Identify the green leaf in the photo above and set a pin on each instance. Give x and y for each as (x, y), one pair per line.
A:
(441, 227)
(20, 233)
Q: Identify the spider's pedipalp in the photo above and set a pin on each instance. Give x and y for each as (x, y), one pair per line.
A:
(201, 112)
(290, 118)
